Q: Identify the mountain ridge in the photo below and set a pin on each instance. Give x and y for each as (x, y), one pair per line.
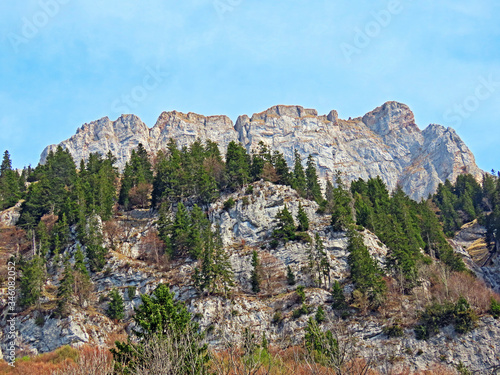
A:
(386, 142)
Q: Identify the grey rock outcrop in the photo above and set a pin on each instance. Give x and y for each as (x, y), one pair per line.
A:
(385, 142)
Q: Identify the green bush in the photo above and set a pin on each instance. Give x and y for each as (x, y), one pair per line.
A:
(290, 276)
(116, 308)
(277, 317)
(249, 190)
(437, 315)
(393, 331)
(245, 201)
(433, 318)
(300, 293)
(131, 292)
(495, 308)
(320, 315)
(230, 203)
(465, 317)
(303, 237)
(302, 310)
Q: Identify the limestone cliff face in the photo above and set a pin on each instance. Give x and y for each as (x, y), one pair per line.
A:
(385, 142)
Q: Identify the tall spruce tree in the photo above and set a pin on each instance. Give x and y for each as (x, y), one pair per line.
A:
(285, 230)
(65, 290)
(313, 188)
(365, 273)
(302, 219)
(299, 177)
(255, 278)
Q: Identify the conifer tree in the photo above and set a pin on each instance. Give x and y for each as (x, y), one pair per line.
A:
(237, 165)
(299, 177)
(116, 307)
(215, 274)
(342, 209)
(338, 297)
(96, 252)
(164, 225)
(282, 169)
(197, 227)
(321, 260)
(65, 290)
(83, 284)
(80, 261)
(256, 272)
(10, 186)
(31, 281)
(285, 229)
(312, 184)
(365, 273)
(302, 219)
(42, 235)
(290, 276)
(180, 232)
(161, 316)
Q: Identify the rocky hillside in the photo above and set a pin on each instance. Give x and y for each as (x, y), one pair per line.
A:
(246, 227)
(385, 142)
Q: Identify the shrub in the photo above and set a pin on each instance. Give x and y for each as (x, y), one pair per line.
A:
(230, 203)
(320, 315)
(116, 308)
(437, 315)
(303, 237)
(277, 317)
(495, 308)
(245, 201)
(131, 290)
(465, 317)
(290, 277)
(249, 190)
(302, 310)
(393, 331)
(300, 293)
(432, 318)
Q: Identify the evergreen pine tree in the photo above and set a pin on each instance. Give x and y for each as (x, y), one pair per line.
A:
(299, 177)
(282, 169)
(255, 277)
(116, 307)
(321, 260)
(180, 232)
(312, 184)
(342, 210)
(10, 186)
(96, 252)
(365, 273)
(290, 276)
(65, 290)
(237, 165)
(31, 281)
(161, 316)
(302, 219)
(285, 229)
(338, 297)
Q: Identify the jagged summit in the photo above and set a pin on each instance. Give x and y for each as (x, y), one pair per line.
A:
(385, 142)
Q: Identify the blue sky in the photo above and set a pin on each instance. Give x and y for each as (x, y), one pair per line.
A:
(67, 62)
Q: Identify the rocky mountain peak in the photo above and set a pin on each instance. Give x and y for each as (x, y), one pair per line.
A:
(292, 111)
(389, 117)
(385, 142)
